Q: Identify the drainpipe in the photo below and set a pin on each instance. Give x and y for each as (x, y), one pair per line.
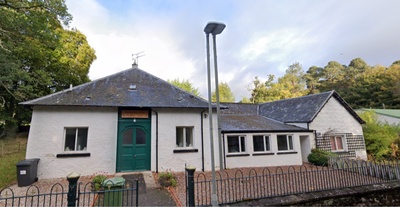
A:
(202, 140)
(223, 149)
(156, 140)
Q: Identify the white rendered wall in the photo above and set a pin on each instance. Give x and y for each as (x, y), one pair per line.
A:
(46, 140)
(266, 160)
(168, 120)
(335, 118)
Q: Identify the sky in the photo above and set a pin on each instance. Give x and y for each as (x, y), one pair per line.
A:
(261, 36)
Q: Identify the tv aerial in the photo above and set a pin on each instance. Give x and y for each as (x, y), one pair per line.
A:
(135, 58)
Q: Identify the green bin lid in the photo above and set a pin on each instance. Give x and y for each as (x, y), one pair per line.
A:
(113, 182)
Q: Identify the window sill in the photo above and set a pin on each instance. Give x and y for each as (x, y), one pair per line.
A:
(81, 154)
(286, 153)
(264, 153)
(339, 151)
(185, 150)
(237, 155)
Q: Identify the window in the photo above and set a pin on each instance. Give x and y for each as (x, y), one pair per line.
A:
(236, 144)
(75, 139)
(285, 142)
(184, 136)
(261, 143)
(337, 143)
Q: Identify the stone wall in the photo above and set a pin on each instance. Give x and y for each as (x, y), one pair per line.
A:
(386, 194)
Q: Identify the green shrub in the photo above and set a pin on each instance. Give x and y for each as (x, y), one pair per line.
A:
(167, 179)
(319, 157)
(97, 181)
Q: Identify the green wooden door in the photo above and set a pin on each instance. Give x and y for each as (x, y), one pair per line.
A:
(133, 145)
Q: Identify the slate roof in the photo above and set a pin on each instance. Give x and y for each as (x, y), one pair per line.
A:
(395, 113)
(302, 109)
(118, 90)
(244, 118)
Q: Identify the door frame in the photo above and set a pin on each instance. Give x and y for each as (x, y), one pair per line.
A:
(141, 122)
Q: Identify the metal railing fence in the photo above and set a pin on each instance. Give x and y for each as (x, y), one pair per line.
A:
(238, 185)
(58, 195)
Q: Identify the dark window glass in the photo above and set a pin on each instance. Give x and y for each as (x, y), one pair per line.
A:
(82, 139)
(258, 143)
(282, 142)
(233, 144)
(140, 136)
(179, 137)
(127, 137)
(70, 139)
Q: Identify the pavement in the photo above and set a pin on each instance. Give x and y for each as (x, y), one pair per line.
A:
(150, 194)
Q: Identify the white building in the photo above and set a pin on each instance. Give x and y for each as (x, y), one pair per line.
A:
(134, 121)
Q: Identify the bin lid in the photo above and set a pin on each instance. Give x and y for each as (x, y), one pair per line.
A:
(24, 163)
(113, 182)
(34, 160)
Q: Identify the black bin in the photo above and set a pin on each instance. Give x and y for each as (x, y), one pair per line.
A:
(27, 171)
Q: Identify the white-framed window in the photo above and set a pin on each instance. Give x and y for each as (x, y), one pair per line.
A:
(184, 136)
(261, 143)
(337, 142)
(236, 144)
(285, 142)
(76, 138)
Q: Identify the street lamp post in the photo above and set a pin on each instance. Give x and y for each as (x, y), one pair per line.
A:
(213, 28)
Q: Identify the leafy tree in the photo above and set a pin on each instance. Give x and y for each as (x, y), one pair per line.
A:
(259, 90)
(225, 94)
(312, 78)
(292, 84)
(185, 85)
(245, 100)
(380, 138)
(38, 56)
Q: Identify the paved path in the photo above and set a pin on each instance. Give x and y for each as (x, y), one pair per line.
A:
(149, 193)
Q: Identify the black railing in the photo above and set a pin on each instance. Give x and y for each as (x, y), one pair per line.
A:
(247, 184)
(123, 195)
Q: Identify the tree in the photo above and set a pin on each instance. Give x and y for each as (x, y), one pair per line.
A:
(38, 56)
(380, 138)
(225, 94)
(292, 84)
(185, 85)
(312, 78)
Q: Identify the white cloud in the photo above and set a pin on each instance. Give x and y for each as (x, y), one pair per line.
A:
(261, 37)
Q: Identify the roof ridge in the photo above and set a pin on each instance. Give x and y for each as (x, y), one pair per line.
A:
(300, 97)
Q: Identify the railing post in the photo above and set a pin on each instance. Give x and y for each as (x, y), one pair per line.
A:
(72, 180)
(190, 184)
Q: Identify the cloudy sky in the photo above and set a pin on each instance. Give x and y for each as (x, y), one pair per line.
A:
(261, 36)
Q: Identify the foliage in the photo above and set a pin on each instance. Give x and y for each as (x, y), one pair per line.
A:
(361, 85)
(319, 157)
(185, 85)
(9, 159)
(292, 84)
(167, 179)
(98, 181)
(38, 55)
(225, 94)
(381, 139)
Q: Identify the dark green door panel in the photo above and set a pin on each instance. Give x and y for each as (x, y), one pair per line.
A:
(134, 139)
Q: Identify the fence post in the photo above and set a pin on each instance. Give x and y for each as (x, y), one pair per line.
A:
(72, 180)
(190, 184)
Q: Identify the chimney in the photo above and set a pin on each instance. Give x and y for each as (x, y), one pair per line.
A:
(134, 65)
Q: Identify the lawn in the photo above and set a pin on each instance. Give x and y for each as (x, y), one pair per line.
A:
(11, 151)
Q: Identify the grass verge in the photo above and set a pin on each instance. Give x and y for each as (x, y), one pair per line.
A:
(12, 151)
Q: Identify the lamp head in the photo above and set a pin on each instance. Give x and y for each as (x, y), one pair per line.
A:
(214, 28)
